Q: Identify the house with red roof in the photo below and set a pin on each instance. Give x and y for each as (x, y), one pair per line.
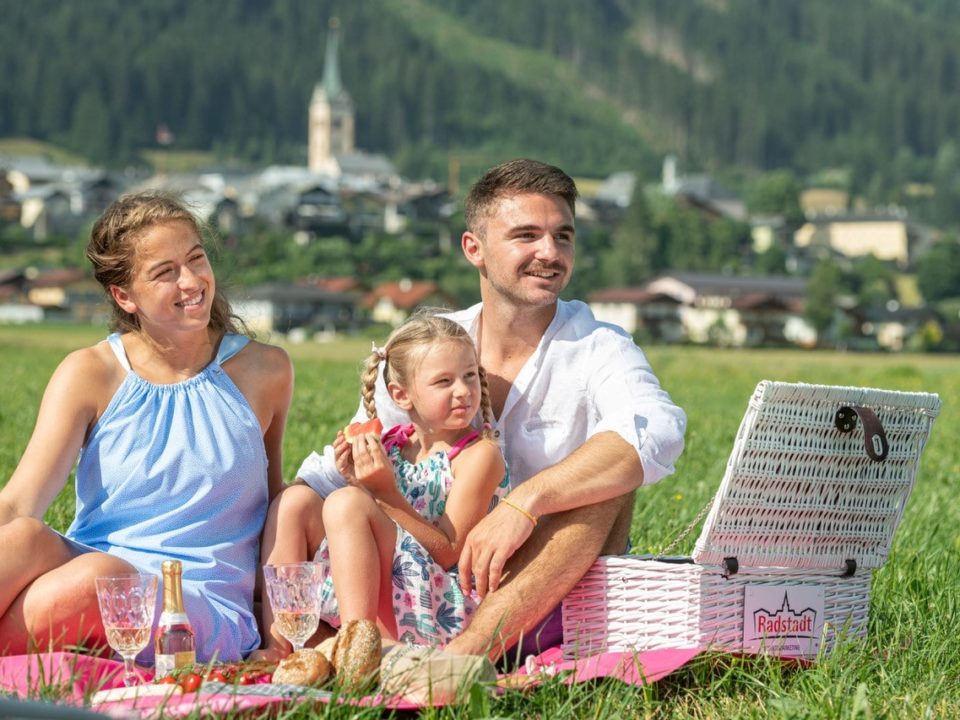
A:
(393, 302)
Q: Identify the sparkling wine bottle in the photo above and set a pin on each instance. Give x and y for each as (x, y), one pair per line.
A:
(175, 642)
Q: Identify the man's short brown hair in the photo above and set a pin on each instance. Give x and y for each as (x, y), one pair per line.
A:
(516, 177)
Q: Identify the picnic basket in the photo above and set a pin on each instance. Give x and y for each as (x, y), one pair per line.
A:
(812, 494)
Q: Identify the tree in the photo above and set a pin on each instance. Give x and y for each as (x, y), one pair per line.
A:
(635, 252)
(938, 272)
(729, 241)
(873, 281)
(90, 129)
(823, 288)
(772, 261)
(686, 238)
(776, 193)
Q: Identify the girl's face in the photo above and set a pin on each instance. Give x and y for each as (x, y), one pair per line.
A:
(444, 392)
(172, 284)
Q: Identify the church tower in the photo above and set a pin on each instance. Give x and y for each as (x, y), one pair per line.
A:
(331, 120)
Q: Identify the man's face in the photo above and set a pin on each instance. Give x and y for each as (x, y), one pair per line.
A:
(525, 248)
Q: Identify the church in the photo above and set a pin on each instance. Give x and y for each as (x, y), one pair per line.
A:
(331, 148)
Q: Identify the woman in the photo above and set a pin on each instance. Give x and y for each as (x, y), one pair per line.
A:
(178, 421)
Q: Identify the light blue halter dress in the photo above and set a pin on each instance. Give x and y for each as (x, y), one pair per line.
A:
(179, 472)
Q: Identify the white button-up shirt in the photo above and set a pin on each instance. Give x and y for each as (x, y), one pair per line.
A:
(585, 377)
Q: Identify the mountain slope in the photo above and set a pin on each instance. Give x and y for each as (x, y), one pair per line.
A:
(596, 86)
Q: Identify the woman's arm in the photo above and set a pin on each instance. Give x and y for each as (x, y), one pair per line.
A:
(78, 390)
(478, 469)
(277, 387)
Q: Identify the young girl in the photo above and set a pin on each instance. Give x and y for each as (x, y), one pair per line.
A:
(178, 422)
(395, 534)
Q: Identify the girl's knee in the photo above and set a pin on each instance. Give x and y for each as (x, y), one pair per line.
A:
(298, 501)
(348, 502)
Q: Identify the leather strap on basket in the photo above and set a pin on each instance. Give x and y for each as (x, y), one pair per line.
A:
(874, 438)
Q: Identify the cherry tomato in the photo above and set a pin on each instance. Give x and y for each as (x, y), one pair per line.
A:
(166, 680)
(190, 682)
(216, 676)
(248, 678)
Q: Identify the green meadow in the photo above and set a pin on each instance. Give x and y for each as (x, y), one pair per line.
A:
(909, 666)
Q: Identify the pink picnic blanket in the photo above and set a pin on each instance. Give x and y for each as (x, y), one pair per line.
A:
(79, 676)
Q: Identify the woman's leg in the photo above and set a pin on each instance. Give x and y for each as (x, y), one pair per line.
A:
(292, 533)
(361, 539)
(47, 590)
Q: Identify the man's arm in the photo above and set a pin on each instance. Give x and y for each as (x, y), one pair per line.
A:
(542, 571)
(603, 468)
(584, 502)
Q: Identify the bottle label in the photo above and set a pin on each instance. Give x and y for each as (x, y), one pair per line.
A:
(166, 664)
(171, 618)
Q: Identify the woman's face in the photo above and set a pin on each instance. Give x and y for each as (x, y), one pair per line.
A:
(172, 284)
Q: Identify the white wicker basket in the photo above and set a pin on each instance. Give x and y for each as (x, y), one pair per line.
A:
(812, 494)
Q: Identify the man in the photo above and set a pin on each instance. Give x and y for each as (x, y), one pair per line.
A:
(581, 415)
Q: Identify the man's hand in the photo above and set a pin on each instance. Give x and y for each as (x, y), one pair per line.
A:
(489, 545)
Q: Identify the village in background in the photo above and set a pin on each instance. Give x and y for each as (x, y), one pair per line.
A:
(344, 241)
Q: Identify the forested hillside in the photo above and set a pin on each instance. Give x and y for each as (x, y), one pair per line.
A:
(870, 85)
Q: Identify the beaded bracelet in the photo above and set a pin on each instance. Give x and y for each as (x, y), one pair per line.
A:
(519, 509)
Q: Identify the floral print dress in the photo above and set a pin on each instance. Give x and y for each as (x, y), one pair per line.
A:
(428, 605)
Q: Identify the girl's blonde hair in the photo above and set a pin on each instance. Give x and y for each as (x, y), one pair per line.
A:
(113, 252)
(405, 350)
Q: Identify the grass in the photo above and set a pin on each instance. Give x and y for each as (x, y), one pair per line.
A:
(161, 160)
(178, 161)
(909, 666)
(28, 146)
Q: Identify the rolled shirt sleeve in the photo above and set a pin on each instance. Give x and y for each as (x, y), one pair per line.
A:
(629, 401)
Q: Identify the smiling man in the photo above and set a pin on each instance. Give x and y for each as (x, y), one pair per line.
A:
(580, 414)
(582, 417)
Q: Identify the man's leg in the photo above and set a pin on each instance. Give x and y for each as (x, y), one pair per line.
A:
(541, 573)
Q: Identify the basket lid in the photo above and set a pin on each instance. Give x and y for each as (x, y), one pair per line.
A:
(819, 475)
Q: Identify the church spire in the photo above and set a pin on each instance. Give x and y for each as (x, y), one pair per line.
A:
(331, 118)
(331, 63)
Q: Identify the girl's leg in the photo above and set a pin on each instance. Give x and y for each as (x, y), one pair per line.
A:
(292, 533)
(47, 590)
(361, 539)
(294, 527)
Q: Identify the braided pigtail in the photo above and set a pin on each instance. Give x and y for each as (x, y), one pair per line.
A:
(368, 381)
(486, 409)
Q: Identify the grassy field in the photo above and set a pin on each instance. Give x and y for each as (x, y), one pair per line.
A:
(908, 667)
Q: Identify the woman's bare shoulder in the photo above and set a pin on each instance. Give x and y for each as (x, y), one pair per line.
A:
(95, 364)
(265, 358)
(86, 377)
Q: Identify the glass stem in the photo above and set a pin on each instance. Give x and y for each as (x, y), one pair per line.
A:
(130, 676)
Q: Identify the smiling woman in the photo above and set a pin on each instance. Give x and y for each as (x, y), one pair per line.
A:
(178, 422)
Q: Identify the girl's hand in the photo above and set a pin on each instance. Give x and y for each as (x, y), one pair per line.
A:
(343, 458)
(373, 468)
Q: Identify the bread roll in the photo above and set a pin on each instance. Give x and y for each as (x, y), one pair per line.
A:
(304, 667)
(356, 654)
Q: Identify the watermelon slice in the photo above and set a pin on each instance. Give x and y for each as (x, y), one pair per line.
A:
(357, 429)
